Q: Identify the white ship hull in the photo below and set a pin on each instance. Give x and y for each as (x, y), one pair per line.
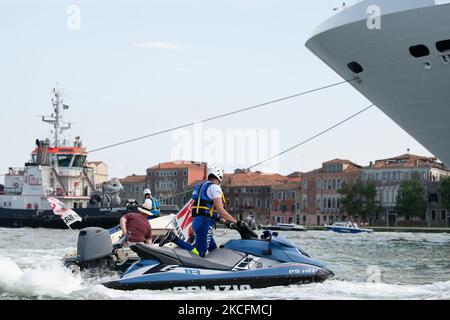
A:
(413, 91)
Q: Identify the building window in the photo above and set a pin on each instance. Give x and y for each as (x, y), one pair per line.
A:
(433, 197)
(319, 184)
(433, 215)
(443, 215)
(258, 203)
(267, 203)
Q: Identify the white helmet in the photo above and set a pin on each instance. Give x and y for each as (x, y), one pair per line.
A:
(216, 172)
(147, 191)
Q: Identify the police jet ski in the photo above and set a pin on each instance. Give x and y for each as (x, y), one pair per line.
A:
(247, 263)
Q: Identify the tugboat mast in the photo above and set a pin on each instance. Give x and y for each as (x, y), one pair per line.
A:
(56, 119)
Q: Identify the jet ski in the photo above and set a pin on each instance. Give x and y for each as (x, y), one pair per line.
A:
(246, 263)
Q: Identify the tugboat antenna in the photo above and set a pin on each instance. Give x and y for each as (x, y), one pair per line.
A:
(56, 118)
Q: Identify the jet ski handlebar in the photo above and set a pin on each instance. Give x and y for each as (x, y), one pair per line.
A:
(244, 230)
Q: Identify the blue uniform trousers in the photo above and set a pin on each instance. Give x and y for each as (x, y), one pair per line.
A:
(204, 241)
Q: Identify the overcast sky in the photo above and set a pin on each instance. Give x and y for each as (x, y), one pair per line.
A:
(131, 68)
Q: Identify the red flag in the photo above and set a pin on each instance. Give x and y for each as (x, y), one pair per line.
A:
(183, 221)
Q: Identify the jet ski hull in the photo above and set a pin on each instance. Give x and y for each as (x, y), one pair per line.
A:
(188, 279)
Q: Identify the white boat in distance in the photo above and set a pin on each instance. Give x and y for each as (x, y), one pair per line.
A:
(284, 227)
(346, 227)
(399, 53)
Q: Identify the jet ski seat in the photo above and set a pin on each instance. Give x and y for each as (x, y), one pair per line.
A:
(219, 259)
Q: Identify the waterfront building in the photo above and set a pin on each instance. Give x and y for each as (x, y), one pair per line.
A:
(257, 195)
(133, 187)
(101, 172)
(388, 174)
(286, 198)
(320, 200)
(172, 182)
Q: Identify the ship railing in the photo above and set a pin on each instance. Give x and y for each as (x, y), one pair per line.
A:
(15, 172)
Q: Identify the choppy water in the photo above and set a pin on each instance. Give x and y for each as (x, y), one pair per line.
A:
(367, 266)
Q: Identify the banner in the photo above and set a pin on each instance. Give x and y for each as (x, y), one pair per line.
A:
(182, 224)
(67, 215)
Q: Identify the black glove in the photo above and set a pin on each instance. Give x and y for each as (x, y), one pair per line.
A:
(240, 223)
(229, 224)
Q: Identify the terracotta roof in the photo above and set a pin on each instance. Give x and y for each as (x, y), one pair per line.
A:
(254, 179)
(179, 164)
(295, 174)
(134, 178)
(407, 161)
(341, 161)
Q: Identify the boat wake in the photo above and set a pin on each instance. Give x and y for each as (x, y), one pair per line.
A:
(53, 281)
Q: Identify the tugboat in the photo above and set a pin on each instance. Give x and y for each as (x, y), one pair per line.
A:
(60, 171)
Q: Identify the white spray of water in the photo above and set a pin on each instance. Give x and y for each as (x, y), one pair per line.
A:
(52, 281)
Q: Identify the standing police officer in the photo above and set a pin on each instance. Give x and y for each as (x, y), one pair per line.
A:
(208, 209)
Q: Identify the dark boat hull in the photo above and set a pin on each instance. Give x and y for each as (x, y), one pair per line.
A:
(92, 217)
(232, 283)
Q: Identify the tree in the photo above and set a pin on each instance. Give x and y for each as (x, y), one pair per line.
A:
(350, 200)
(444, 190)
(411, 199)
(359, 199)
(370, 204)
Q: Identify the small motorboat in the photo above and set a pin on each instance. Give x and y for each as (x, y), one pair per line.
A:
(284, 227)
(346, 227)
(242, 264)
